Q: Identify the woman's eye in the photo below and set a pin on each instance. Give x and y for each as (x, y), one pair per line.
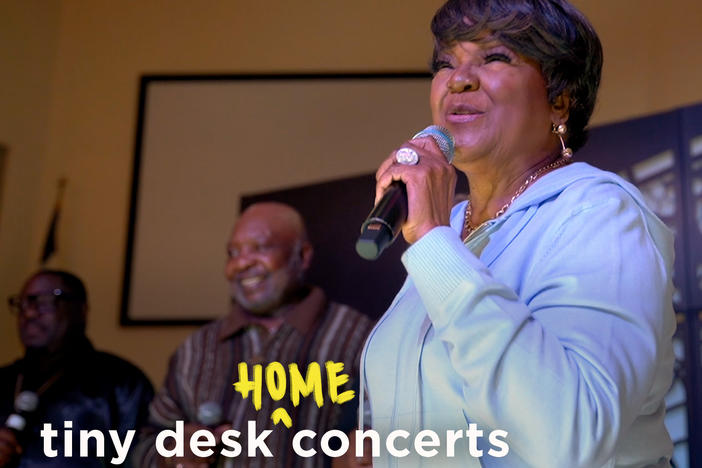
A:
(441, 64)
(497, 57)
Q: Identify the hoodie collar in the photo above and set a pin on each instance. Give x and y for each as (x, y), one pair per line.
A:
(552, 184)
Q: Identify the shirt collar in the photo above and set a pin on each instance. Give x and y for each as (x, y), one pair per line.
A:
(301, 316)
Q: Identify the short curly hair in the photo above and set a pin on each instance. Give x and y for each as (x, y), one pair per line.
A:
(553, 33)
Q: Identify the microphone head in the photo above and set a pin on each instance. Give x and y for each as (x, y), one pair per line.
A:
(26, 402)
(209, 413)
(443, 138)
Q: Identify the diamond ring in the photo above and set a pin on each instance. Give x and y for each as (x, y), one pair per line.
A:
(406, 156)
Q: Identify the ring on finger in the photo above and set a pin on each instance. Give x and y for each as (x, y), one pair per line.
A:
(406, 156)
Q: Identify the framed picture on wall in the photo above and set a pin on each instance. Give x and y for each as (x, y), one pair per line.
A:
(204, 141)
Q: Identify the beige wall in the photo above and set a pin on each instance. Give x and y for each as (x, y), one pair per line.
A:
(69, 96)
(28, 44)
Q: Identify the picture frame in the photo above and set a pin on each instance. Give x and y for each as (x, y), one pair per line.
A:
(204, 141)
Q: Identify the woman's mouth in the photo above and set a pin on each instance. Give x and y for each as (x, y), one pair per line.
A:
(462, 118)
(463, 114)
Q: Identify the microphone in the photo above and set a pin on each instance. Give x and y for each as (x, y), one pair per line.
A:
(26, 404)
(383, 224)
(209, 414)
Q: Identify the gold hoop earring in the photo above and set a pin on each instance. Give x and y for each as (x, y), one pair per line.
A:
(561, 130)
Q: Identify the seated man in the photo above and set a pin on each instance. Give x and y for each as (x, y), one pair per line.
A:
(275, 317)
(69, 378)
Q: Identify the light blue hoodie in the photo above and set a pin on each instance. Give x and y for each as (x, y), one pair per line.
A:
(555, 325)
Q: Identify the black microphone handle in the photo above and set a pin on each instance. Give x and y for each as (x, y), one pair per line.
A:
(384, 223)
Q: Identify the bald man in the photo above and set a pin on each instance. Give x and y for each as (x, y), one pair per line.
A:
(275, 316)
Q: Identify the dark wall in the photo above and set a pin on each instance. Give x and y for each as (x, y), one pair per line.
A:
(334, 212)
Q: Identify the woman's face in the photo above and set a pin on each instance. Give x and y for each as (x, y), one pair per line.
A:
(493, 101)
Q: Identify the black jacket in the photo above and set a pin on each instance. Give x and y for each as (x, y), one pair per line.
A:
(92, 389)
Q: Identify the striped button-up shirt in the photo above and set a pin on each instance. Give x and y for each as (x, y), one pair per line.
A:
(205, 367)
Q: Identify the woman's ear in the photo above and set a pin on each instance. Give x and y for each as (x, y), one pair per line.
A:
(560, 108)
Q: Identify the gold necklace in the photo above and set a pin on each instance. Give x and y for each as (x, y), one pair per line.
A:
(468, 228)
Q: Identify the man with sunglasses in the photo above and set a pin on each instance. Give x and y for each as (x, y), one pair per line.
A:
(67, 377)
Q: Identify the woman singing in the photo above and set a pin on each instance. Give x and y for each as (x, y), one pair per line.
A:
(535, 325)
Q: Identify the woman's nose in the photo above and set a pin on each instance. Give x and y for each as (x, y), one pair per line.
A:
(463, 78)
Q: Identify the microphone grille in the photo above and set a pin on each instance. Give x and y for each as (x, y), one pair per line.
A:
(26, 402)
(209, 413)
(443, 138)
